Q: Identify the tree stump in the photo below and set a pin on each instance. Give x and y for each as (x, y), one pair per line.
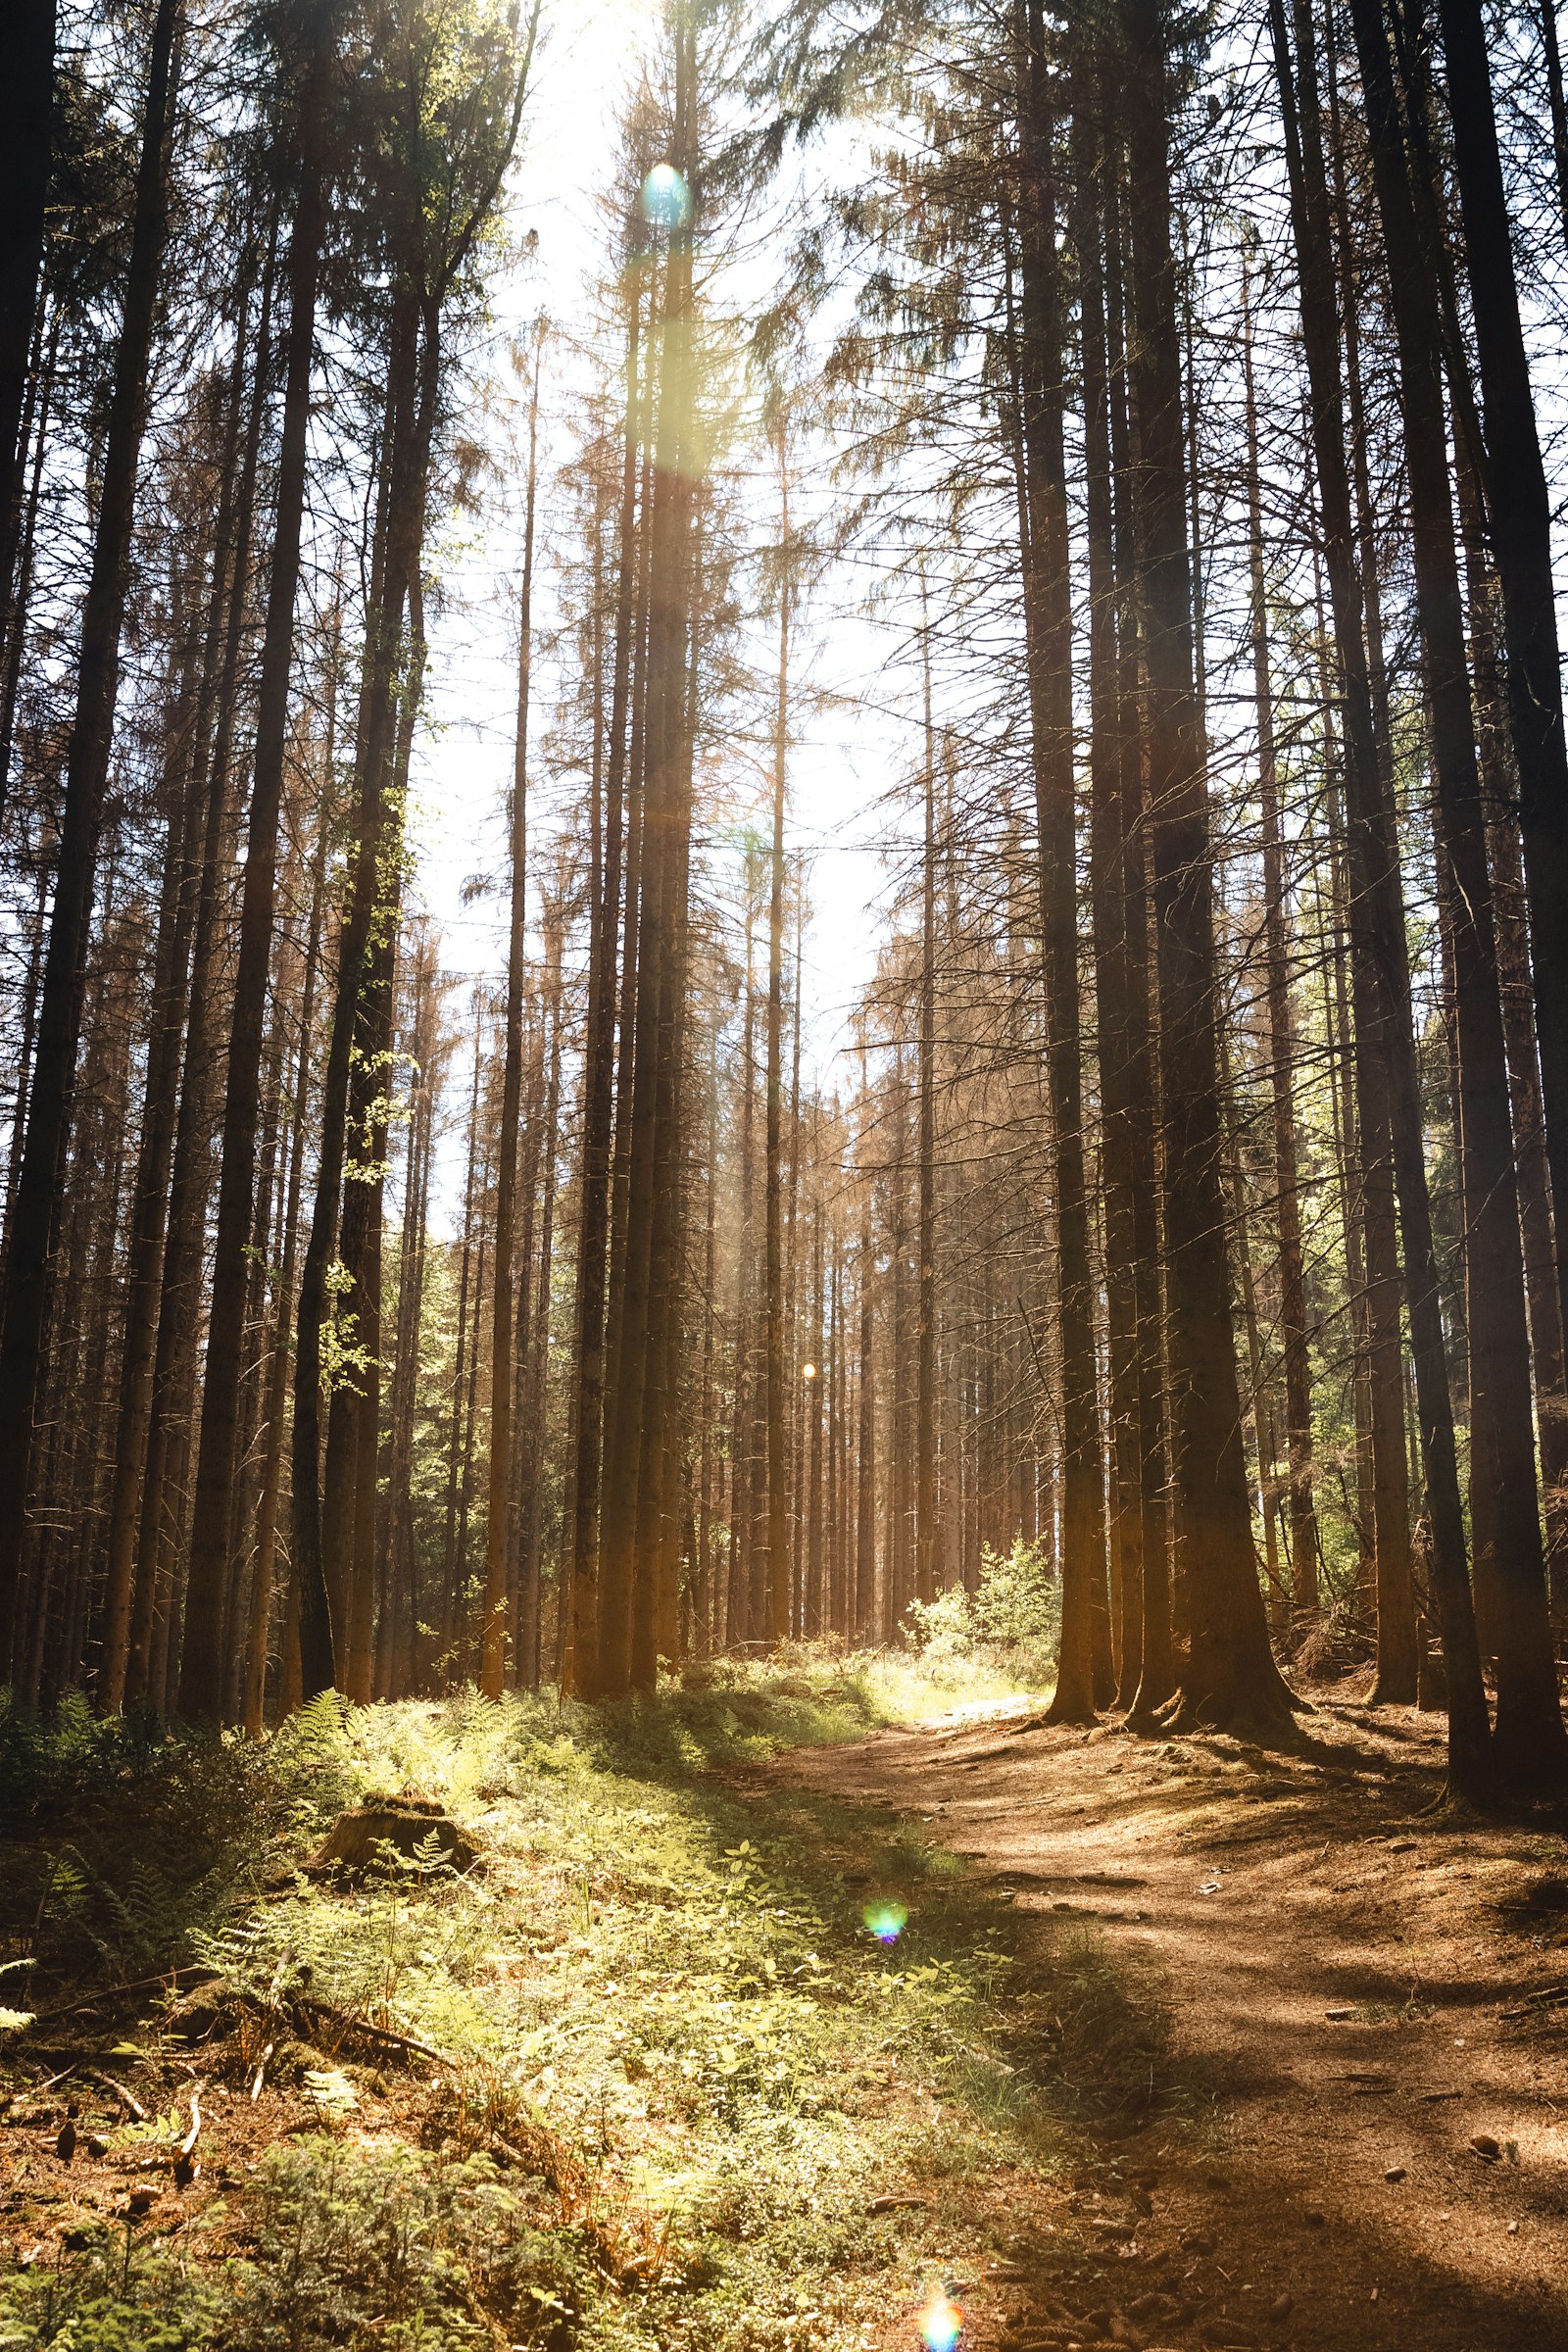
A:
(358, 1842)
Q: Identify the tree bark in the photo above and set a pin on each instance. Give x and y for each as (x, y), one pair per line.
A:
(23, 1328)
(1531, 1742)
(201, 1672)
(778, 1546)
(1046, 578)
(1282, 1051)
(27, 106)
(498, 1551)
(1230, 1671)
(1385, 1062)
(1519, 505)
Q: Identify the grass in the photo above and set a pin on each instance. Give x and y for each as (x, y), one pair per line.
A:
(686, 2093)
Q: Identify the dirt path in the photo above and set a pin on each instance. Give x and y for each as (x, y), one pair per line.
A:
(1343, 1981)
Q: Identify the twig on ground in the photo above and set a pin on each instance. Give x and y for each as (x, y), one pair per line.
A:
(128, 2098)
(172, 1976)
(261, 2072)
(363, 2025)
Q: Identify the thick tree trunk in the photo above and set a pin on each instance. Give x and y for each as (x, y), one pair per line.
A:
(1230, 1671)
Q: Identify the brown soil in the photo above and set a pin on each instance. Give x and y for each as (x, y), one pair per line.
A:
(1362, 2001)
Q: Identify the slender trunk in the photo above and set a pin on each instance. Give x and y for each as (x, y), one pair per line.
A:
(14, 604)
(1387, 1081)
(778, 1548)
(1044, 527)
(536, 1364)
(33, 1214)
(498, 1525)
(454, 1450)
(381, 751)
(1530, 1738)
(1556, 104)
(1519, 507)
(277, 1369)
(200, 1684)
(1282, 1046)
(27, 123)
(636, 1468)
(865, 1626)
(1112, 911)
(925, 1367)
(579, 1672)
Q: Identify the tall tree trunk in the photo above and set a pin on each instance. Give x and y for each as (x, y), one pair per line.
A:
(580, 1649)
(1282, 1046)
(866, 1623)
(27, 110)
(926, 1245)
(1500, 789)
(498, 1525)
(1531, 1742)
(278, 1370)
(778, 1545)
(1520, 511)
(1048, 612)
(15, 607)
(1114, 909)
(454, 1447)
(1230, 1669)
(23, 1328)
(172, 1008)
(635, 1469)
(535, 1365)
(1387, 1082)
(201, 1672)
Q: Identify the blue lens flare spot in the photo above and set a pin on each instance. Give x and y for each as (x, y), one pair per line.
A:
(886, 1920)
(666, 201)
(941, 2323)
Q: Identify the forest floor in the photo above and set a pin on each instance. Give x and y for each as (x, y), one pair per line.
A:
(768, 2016)
(1362, 2135)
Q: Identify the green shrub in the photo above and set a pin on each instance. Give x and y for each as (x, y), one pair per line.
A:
(1013, 1620)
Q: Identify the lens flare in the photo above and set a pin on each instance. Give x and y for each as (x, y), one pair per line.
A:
(941, 2323)
(666, 200)
(886, 1920)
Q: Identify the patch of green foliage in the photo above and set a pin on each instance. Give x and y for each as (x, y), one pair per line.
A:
(378, 2247)
(122, 1840)
(682, 2069)
(1011, 1622)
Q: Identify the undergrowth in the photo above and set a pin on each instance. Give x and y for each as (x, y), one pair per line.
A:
(680, 2081)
